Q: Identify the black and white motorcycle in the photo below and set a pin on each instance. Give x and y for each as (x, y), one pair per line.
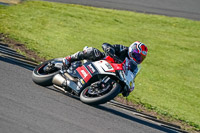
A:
(94, 82)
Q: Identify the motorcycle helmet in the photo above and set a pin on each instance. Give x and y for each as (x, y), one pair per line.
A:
(137, 52)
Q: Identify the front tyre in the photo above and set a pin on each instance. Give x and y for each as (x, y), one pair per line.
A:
(43, 78)
(93, 99)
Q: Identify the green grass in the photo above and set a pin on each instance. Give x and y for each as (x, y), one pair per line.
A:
(170, 78)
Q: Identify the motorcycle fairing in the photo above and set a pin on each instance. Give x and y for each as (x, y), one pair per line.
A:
(89, 70)
(116, 66)
(105, 67)
(86, 72)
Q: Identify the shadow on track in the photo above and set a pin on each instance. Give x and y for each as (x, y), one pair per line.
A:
(132, 118)
(119, 113)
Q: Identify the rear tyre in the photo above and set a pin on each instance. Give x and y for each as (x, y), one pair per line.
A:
(40, 77)
(87, 98)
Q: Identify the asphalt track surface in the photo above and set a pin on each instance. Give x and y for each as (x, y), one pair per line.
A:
(176, 8)
(28, 108)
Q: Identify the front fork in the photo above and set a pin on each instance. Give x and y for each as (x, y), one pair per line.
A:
(105, 83)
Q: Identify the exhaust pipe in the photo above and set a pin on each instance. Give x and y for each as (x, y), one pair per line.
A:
(62, 82)
(58, 80)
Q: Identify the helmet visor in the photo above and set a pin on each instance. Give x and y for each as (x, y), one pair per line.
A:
(137, 57)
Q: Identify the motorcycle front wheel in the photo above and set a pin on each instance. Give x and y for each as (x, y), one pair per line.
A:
(95, 97)
(43, 78)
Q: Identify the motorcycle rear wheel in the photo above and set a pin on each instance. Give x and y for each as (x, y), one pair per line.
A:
(86, 98)
(42, 78)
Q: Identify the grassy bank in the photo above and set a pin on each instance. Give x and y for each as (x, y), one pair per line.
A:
(169, 80)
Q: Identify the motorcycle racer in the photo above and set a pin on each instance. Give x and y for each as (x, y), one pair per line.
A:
(136, 53)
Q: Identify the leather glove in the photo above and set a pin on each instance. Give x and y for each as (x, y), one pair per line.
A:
(126, 91)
